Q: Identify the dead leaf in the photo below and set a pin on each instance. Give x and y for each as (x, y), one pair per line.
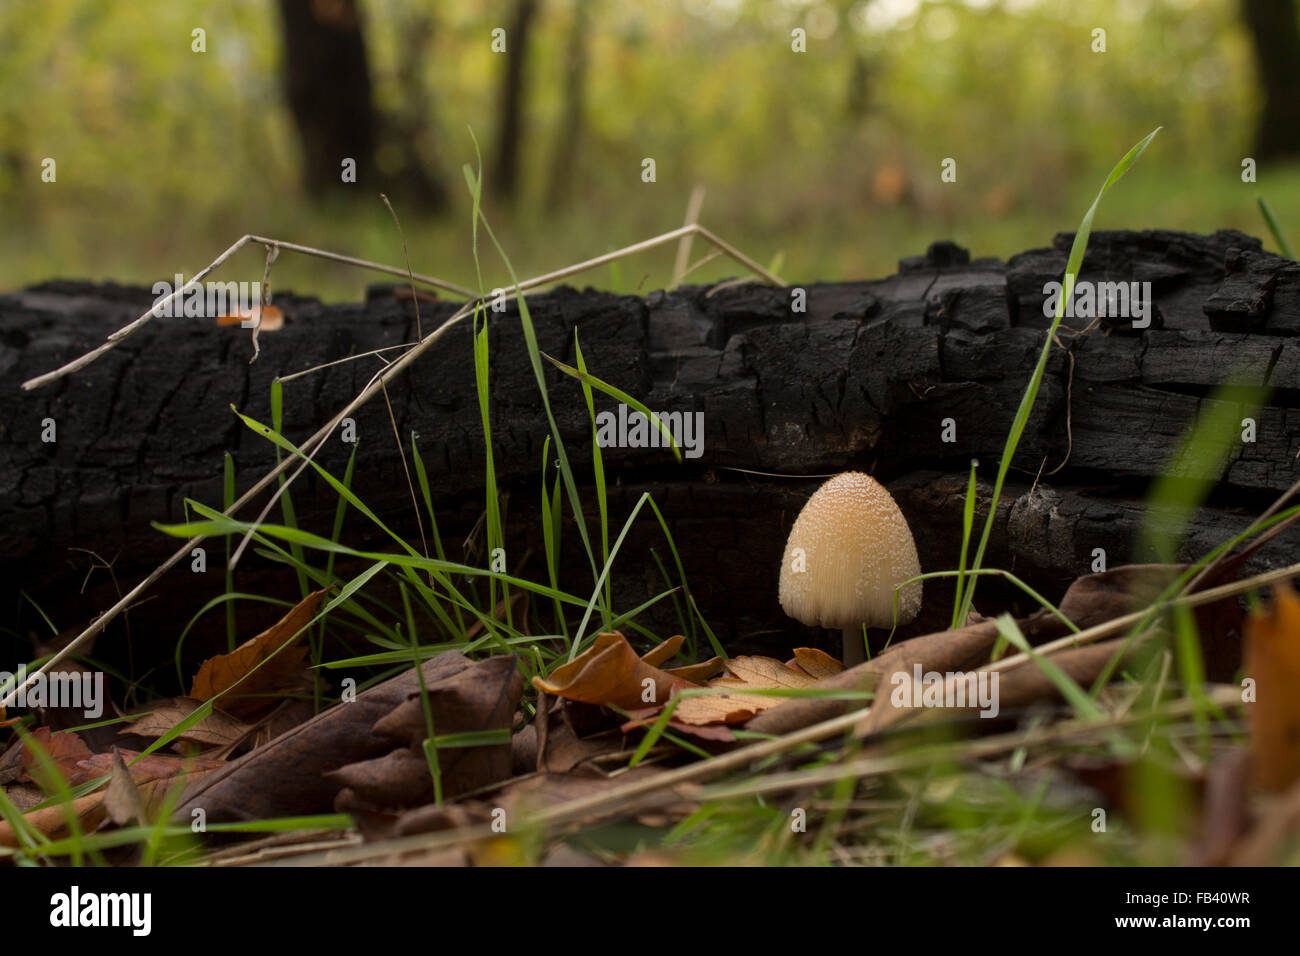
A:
(1091, 599)
(287, 776)
(748, 673)
(817, 664)
(122, 800)
(11, 763)
(610, 674)
(694, 714)
(286, 715)
(223, 672)
(565, 750)
(396, 780)
(150, 768)
(665, 651)
(214, 730)
(115, 800)
(272, 317)
(698, 673)
(1273, 662)
(64, 748)
(53, 822)
(1019, 686)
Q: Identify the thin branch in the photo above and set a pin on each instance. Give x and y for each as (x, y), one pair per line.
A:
(684, 246)
(135, 326)
(132, 327)
(272, 253)
(345, 359)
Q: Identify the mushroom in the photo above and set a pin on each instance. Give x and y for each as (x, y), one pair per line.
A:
(849, 549)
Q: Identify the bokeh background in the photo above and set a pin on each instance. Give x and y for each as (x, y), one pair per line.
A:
(826, 163)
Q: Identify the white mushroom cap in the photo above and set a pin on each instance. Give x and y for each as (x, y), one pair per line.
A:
(856, 548)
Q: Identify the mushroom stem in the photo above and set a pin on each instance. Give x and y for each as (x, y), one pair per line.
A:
(853, 649)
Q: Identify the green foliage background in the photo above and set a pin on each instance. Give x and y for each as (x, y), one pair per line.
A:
(166, 156)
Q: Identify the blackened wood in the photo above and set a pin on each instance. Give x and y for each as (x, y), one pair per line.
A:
(867, 378)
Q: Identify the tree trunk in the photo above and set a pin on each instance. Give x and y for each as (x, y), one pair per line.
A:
(510, 131)
(327, 86)
(874, 376)
(412, 131)
(1276, 36)
(564, 167)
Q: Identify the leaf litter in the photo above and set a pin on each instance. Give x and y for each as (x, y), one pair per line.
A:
(572, 763)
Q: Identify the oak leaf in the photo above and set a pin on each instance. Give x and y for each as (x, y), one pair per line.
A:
(214, 730)
(747, 674)
(611, 674)
(273, 649)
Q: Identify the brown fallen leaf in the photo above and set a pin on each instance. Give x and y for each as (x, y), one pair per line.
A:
(960, 649)
(1018, 686)
(215, 730)
(565, 750)
(122, 800)
(718, 731)
(665, 652)
(698, 673)
(736, 706)
(1090, 600)
(53, 822)
(815, 663)
(11, 762)
(150, 768)
(115, 801)
(272, 317)
(64, 748)
(611, 674)
(699, 715)
(763, 672)
(287, 776)
(1273, 662)
(397, 780)
(239, 669)
(481, 697)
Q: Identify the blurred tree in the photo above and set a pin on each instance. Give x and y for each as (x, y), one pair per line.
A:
(505, 171)
(1276, 34)
(409, 135)
(327, 85)
(571, 122)
(859, 91)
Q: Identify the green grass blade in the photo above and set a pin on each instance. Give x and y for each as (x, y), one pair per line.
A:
(1072, 267)
(590, 381)
(967, 522)
(1275, 229)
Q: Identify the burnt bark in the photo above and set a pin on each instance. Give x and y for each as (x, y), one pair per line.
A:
(869, 377)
